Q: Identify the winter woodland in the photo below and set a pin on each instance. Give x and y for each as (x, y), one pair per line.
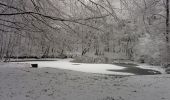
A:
(135, 30)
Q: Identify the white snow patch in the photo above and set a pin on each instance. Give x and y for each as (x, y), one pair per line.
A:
(90, 68)
(82, 67)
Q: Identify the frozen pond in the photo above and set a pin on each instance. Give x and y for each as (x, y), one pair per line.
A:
(115, 69)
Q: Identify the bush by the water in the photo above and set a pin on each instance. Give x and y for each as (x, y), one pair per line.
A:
(149, 60)
(86, 59)
(99, 59)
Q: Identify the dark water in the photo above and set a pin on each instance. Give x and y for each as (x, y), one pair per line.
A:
(131, 68)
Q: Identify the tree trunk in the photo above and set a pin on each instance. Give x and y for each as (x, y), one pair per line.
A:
(167, 32)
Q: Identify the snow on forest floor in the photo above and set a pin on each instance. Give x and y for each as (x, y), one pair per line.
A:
(92, 68)
(20, 82)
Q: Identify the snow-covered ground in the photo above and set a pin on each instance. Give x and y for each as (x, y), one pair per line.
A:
(20, 82)
(84, 67)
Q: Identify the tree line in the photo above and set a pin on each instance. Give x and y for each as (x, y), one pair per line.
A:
(136, 30)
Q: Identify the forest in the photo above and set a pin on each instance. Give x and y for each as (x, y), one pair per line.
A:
(95, 31)
(84, 49)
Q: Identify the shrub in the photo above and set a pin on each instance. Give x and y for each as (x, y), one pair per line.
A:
(86, 59)
(149, 60)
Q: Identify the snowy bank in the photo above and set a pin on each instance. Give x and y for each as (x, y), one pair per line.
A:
(19, 82)
(82, 67)
(90, 68)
